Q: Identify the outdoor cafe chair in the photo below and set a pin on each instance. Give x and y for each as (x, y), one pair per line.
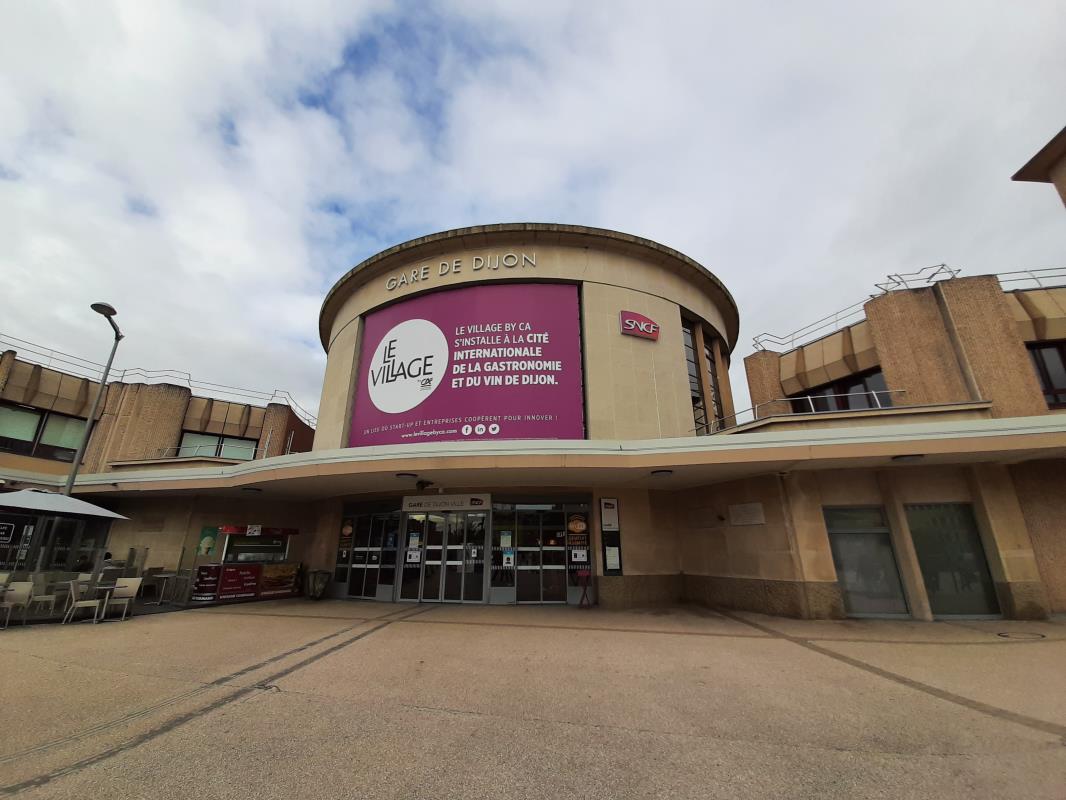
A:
(39, 594)
(18, 594)
(76, 602)
(4, 578)
(125, 591)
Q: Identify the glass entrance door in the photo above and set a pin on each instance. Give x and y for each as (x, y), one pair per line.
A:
(464, 565)
(373, 555)
(952, 559)
(444, 557)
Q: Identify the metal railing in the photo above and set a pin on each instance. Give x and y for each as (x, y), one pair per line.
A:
(816, 330)
(1043, 278)
(854, 313)
(876, 401)
(926, 276)
(91, 370)
(209, 451)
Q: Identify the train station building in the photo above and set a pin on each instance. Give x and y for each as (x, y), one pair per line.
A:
(542, 413)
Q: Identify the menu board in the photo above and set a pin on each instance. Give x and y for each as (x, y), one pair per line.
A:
(239, 581)
(278, 580)
(205, 587)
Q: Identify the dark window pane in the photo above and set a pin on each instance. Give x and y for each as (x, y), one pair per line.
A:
(434, 529)
(554, 557)
(528, 590)
(1056, 370)
(554, 582)
(431, 582)
(528, 529)
(866, 570)
(952, 559)
(852, 519)
(370, 583)
(553, 529)
(377, 532)
(355, 581)
(362, 531)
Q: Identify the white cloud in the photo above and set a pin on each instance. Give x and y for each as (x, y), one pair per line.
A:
(799, 151)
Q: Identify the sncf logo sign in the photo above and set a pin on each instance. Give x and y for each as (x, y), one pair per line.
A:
(634, 324)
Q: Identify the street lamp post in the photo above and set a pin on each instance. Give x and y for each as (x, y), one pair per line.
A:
(106, 310)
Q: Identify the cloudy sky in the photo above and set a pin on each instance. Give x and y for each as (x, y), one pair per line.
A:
(211, 168)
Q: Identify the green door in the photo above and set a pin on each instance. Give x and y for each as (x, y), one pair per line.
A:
(952, 559)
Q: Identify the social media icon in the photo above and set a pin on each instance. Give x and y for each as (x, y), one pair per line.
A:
(494, 429)
(480, 429)
(466, 430)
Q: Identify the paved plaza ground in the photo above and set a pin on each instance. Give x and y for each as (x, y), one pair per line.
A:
(350, 700)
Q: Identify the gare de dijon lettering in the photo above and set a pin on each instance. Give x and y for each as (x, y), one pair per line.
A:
(491, 261)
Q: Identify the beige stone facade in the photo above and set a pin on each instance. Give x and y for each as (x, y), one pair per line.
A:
(633, 389)
(138, 425)
(964, 466)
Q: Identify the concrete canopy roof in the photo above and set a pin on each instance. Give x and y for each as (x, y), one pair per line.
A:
(1038, 167)
(579, 235)
(581, 464)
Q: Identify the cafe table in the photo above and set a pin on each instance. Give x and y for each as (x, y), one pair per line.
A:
(106, 588)
(164, 577)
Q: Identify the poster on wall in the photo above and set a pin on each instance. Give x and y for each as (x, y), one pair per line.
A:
(483, 362)
(208, 540)
(608, 514)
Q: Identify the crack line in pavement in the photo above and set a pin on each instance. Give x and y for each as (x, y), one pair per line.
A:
(217, 683)
(974, 705)
(713, 635)
(581, 629)
(730, 739)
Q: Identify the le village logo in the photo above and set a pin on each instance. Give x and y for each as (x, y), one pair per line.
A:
(456, 266)
(408, 365)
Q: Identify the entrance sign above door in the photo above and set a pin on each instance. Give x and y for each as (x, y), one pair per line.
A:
(447, 502)
(635, 324)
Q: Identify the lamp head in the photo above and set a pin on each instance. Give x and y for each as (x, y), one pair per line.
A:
(106, 309)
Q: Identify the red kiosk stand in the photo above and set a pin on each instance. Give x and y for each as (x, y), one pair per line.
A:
(254, 566)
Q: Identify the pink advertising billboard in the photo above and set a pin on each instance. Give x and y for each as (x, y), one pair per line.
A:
(484, 362)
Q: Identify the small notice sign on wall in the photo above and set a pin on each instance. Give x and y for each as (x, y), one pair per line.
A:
(747, 514)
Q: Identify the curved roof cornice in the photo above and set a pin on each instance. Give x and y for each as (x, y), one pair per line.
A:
(579, 235)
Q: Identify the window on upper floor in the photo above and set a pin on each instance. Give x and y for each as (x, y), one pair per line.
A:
(207, 445)
(41, 434)
(1049, 359)
(695, 385)
(866, 390)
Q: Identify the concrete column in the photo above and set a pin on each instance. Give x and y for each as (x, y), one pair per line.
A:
(338, 388)
(764, 383)
(1007, 544)
(7, 363)
(914, 348)
(992, 355)
(321, 550)
(725, 388)
(809, 538)
(910, 572)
